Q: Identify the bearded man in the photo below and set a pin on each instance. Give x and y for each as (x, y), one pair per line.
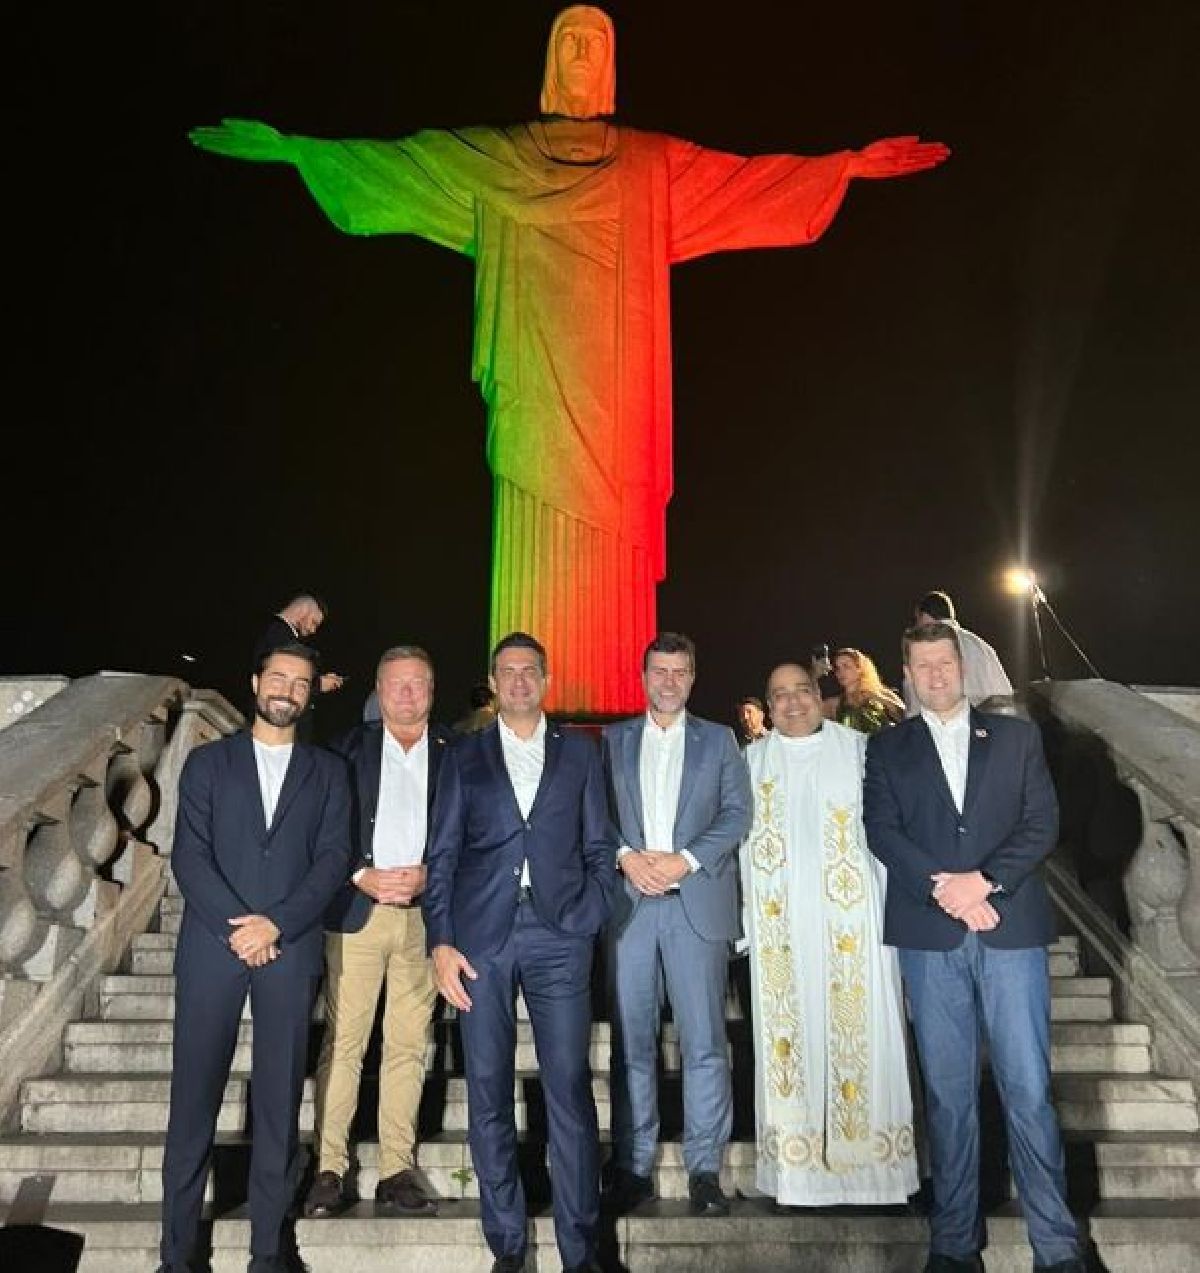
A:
(262, 844)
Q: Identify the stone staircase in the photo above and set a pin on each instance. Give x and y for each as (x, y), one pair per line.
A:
(96, 1129)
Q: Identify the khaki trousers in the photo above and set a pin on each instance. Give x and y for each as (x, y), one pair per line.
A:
(389, 948)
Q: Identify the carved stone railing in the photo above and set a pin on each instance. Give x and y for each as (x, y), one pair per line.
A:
(88, 787)
(1128, 874)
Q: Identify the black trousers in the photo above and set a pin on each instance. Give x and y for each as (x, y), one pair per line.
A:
(210, 990)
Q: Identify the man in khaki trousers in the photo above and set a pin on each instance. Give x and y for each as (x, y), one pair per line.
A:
(376, 940)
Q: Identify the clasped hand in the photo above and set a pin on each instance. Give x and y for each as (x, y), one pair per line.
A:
(652, 874)
(963, 896)
(255, 940)
(393, 885)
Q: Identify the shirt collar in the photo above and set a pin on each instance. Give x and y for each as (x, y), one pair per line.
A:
(655, 730)
(538, 735)
(955, 725)
(391, 745)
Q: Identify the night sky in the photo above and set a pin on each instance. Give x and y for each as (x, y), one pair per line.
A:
(216, 398)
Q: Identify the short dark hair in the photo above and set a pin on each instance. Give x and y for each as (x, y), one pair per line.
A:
(670, 643)
(928, 633)
(937, 605)
(519, 641)
(297, 649)
(751, 700)
(481, 695)
(394, 652)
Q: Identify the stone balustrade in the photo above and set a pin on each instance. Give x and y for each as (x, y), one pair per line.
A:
(88, 788)
(1127, 765)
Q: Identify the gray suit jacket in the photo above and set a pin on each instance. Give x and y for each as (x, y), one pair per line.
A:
(712, 817)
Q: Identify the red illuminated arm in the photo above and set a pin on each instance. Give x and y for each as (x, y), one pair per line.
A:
(721, 202)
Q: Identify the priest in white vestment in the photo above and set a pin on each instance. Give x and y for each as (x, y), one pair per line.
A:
(833, 1106)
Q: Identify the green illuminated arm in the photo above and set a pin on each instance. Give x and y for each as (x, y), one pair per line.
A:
(423, 184)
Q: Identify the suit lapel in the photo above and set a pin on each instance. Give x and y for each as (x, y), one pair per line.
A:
(437, 753)
(553, 742)
(371, 774)
(246, 772)
(300, 766)
(978, 755)
(632, 740)
(493, 749)
(928, 758)
(692, 740)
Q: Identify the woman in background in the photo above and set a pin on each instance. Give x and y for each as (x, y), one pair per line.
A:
(865, 703)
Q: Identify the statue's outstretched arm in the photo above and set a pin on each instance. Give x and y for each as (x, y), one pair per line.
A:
(897, 157)
(244, 139)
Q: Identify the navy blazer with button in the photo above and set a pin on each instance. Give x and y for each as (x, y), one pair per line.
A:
(362, 750)
(228, 862)
(1008, 825)
(479, 840)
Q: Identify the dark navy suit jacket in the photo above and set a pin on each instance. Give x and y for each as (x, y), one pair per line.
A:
(479, 840)
(1008, 825)
(229, 862)
(362, 749)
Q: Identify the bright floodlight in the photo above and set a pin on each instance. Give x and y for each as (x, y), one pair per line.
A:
(1019, 581)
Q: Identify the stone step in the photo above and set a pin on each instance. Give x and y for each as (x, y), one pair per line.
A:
(138, 1103)
(128, 998)
(662, 1239)
(160, 961)
(127, 1169)
(145, 1047)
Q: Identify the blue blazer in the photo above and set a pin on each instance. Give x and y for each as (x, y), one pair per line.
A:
(479, 840)
(712, 817)
(229, 862)
(362, 750)
(1008, 825)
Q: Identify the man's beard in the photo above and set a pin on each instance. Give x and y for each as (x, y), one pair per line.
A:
(278, 712)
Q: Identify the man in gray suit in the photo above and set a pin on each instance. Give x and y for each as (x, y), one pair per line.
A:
(680, 798)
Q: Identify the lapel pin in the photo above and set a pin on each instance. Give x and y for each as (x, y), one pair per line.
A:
(981, 733)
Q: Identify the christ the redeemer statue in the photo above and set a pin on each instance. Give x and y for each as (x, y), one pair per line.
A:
(573, 224)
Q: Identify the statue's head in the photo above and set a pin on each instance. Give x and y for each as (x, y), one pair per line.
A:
(581, 75)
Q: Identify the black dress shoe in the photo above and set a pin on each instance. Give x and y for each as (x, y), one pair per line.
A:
(949, 1264)
(705, 1196)
(509, 1264)
(325, 1197)
(626, 1190)
(405, 1192)
(266, 1264)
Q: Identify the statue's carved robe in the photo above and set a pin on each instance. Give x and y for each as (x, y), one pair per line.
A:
(573, 349)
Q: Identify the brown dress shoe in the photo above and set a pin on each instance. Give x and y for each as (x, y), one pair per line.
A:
(325, 1196)
(405, 1192)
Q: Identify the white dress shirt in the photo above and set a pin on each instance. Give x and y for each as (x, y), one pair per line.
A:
(953, 742)
(660, 775)
(401, 814)
(524, 758)
(272, 765)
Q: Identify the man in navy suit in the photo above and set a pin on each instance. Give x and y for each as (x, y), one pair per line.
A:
(376, 937)
(960, 808)
(521, 870)
(262, 843)
(680, 796)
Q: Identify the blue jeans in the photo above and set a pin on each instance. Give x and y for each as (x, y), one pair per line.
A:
(953, 993)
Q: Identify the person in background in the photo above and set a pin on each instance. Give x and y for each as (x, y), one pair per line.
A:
(865, 703)
(751, 719)
(984, 677)
(482, 713)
